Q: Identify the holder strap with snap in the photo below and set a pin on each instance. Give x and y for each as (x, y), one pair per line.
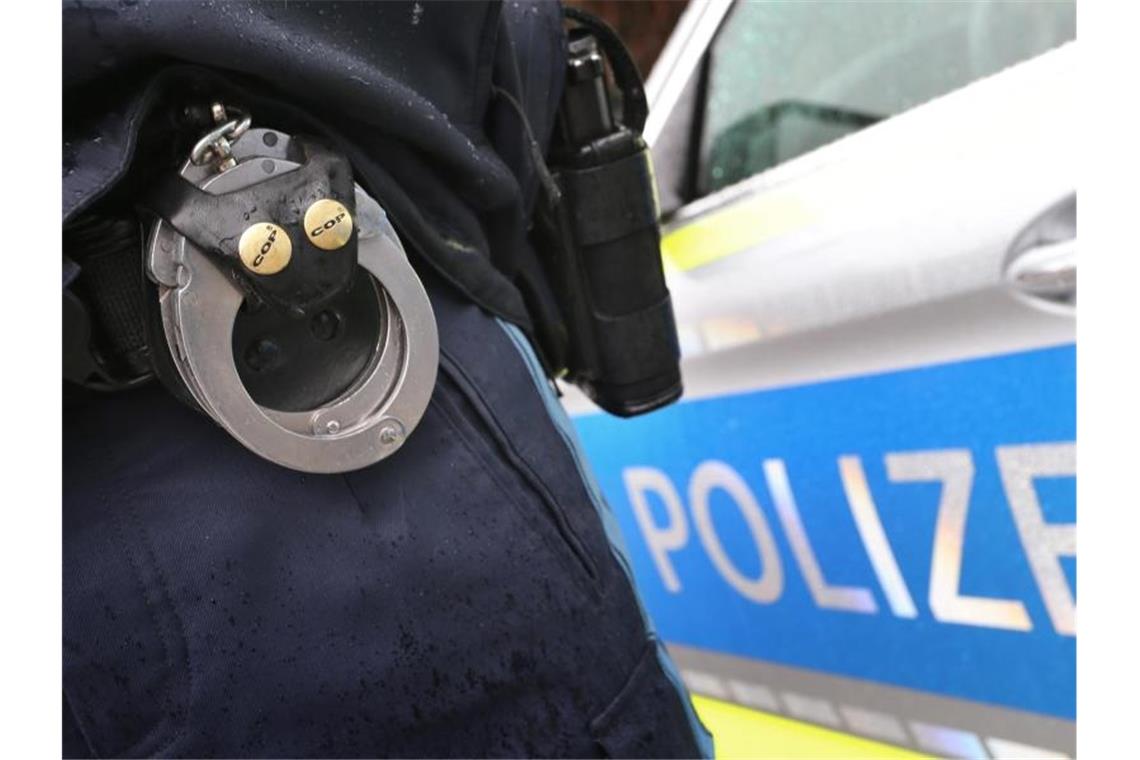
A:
(285, 306)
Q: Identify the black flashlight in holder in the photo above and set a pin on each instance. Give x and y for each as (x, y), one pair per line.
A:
(606, 269)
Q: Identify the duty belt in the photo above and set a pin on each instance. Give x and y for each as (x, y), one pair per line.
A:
(279, 300)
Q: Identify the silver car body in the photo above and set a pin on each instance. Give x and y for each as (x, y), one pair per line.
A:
(861, 514)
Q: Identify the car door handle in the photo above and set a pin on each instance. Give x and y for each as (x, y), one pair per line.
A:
(1047, 271)
(1041, 265)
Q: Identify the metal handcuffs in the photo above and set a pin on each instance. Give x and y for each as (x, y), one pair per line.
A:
(199, 304)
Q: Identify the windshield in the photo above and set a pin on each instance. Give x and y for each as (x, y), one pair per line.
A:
(788, 77)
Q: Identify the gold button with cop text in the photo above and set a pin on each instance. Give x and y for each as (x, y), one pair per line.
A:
(328, 224)
(265, 248)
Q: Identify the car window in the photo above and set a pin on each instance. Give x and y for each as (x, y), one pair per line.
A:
(787, 77)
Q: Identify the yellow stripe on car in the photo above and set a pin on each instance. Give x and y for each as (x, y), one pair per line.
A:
(739, 733)
(741, 225)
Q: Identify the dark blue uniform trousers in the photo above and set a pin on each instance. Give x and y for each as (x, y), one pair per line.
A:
(461, 598)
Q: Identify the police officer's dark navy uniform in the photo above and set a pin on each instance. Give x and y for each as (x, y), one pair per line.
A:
(466, 596)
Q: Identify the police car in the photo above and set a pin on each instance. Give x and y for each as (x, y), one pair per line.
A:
(861, 517)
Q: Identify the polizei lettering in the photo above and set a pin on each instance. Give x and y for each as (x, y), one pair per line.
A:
(666, 525)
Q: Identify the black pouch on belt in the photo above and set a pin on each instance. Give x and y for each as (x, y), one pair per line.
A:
(599, 238)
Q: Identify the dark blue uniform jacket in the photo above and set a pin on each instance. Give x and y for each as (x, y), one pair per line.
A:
(467, 596)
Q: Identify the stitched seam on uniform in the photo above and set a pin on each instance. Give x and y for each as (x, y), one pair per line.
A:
(485, 59)
(84, 716)
(600, 503)
(79, 724)
(603, 723)
(180, 630)
(455, 369)
(454, 420)
(161, 725)
(461, 378)
(352, 494)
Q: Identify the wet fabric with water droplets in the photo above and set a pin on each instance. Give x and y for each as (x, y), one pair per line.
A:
(406, 87)
(459, 598)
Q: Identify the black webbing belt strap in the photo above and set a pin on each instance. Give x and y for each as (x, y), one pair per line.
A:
(105, 346)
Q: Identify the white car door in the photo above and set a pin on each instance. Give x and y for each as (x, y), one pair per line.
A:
(862, 514)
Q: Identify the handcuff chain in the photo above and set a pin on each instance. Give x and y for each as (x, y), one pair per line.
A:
(214, 146)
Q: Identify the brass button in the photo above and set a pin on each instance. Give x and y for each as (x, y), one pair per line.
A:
(328, 224)
(265, 248)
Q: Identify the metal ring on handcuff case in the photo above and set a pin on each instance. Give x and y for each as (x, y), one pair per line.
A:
(199, 304)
